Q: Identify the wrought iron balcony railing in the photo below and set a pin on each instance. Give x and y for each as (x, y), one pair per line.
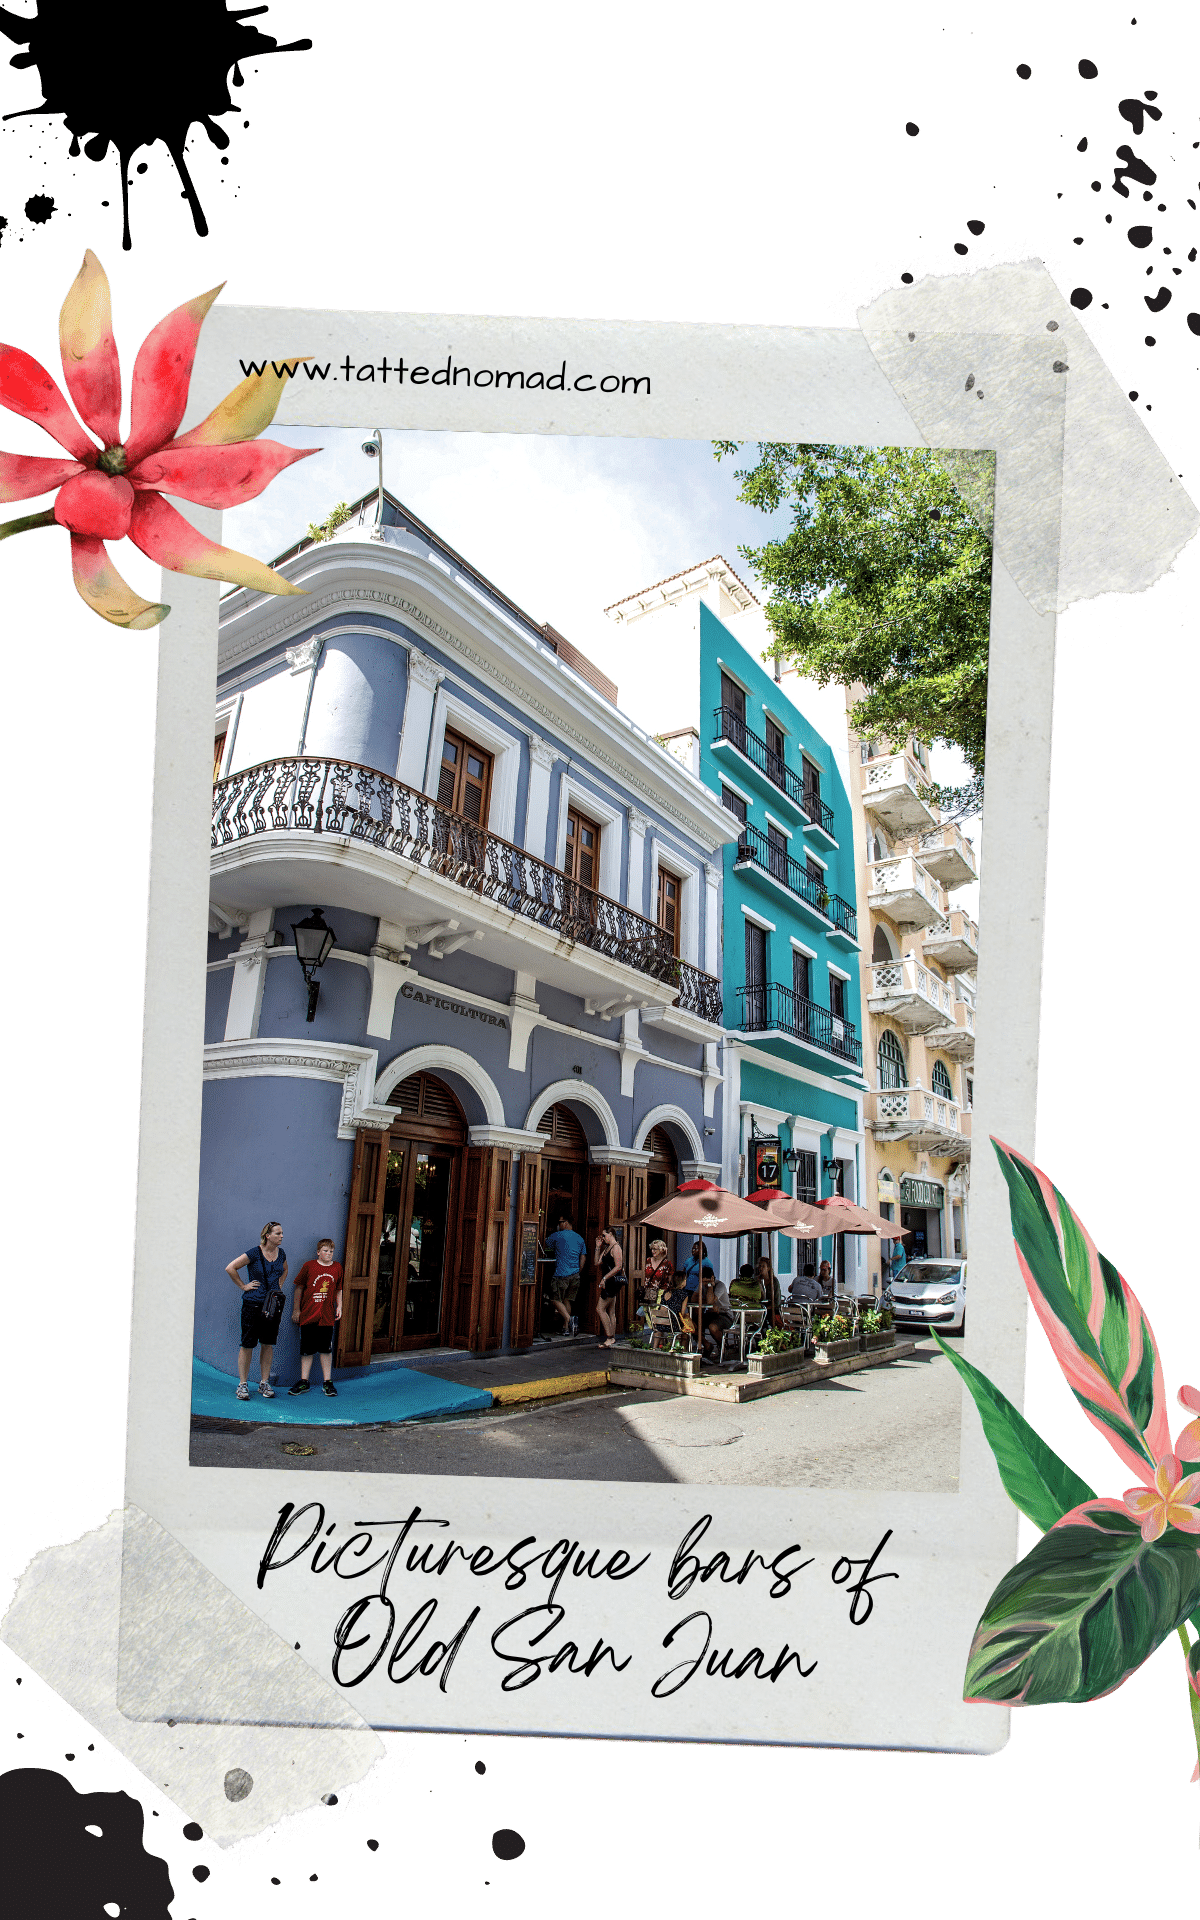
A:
(322, 796)
(732, 727)
(776, 1008)
(753, 845)
(817, 811)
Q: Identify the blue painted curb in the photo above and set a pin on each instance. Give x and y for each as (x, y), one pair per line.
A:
(395, 1393)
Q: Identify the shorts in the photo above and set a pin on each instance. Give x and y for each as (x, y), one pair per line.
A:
(253, 1333)
(314, 1338)
(610, 1287)
(565, 1286)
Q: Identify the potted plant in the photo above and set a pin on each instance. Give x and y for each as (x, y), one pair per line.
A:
(779, 1350)
(831, 1337)
(673, 1362)
(876, 1329)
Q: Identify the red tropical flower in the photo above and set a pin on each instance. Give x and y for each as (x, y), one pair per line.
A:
(116, 488)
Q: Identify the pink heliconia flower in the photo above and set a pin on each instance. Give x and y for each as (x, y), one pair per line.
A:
(1170, 1502)
(1188, 1444)
(107, 491)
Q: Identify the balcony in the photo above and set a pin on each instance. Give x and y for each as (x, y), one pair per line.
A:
(733, 740)
(954, 946)
(911, 995)
(347, 836)
(901, 888)
(949, 856)
(776, 1010)
(824, 910)
(891, 790)
(955, 1036)
(925, 1120)
(820, 818)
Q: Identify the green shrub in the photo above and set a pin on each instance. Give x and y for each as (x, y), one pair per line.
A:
(831, 1327)
(780, 1340)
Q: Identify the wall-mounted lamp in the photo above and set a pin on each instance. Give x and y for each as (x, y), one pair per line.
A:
(373, 448)
(832, 1168)
(314, 944)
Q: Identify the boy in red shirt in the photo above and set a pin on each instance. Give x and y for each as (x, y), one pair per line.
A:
(316, 1308)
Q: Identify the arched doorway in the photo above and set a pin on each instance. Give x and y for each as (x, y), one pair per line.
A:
(403, 1234)
(564, 1196)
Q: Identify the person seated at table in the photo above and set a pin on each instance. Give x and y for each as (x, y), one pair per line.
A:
(825, 1279)
(718, 1318)
(697, 1269)
(658, 1277)
(746, 1290)
(804, 1288)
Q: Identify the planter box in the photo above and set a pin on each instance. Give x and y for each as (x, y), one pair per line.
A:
(676, 1366)
(871, 1342)
(762, 1366)
(836, 1349)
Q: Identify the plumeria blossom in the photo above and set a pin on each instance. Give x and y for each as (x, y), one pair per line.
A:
(115, 488)
(1170, 1502)
(1188, 1444)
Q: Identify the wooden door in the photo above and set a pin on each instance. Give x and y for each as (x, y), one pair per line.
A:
(495, 1252)
(527, 1275)
(464, 1309)
(362, 1249)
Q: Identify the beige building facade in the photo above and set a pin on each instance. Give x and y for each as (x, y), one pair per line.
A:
(919, 958)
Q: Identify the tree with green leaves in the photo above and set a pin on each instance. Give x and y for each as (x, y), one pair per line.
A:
(883, 582)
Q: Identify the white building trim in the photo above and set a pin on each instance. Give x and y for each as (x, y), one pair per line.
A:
(688, 876)
(567, 1090)
(758, 920)
(353, 1068)
(609, 818)
(675, 1116)
(434, 1058)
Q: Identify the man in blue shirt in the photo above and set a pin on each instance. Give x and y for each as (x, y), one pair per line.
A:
(569, 1249)
(698, 1266)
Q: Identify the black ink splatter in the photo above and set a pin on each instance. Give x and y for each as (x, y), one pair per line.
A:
(1160, 300)
(238, 1783)
(1193, 321)
(1023, 72)
(54, 1865)
(120, 77)
(911, 129)
(38, 208)
(1088, 70)
(1135, 111)
(200, 1873)
(374, 1845)
(1133, 169)
(975, 226)
(1082, 147)
(1140, 236)
(507, 1844)
(193, 1831)
(1081, 297)
(479, 1767)
(907, 279)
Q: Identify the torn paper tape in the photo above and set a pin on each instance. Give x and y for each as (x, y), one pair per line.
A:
(977, 360)
(235, 1779)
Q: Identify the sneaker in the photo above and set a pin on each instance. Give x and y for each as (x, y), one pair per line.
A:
(301, 1386)
(243, 1392)
(329, 1388)
(266, 1389)
(574, 1325)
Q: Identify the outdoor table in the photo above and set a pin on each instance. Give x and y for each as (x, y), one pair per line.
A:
(735, 1307)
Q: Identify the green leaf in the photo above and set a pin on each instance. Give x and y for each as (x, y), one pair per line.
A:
(1035, 1479)
(1082, 1611)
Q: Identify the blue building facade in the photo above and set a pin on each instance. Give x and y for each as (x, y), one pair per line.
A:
(520, 1012)
(792, 1051)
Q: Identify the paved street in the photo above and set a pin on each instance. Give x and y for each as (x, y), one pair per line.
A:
(891, 1428)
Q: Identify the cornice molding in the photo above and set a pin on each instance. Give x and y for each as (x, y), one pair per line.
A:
(353, 1068)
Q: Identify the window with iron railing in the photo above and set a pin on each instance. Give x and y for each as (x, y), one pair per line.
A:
(893, 1069)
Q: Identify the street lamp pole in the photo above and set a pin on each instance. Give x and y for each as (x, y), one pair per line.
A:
(373, 448)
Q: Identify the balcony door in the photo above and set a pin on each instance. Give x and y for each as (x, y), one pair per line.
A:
(667, 907)
(581, 861)
(733, 712)
(756, 975)
(777, 853)
(465, 781)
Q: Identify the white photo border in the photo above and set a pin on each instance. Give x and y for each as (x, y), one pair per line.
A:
(895, 1681)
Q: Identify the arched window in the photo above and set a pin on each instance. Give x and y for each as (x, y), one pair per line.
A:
(892, 1070)
(941, 1082)
(882, 945)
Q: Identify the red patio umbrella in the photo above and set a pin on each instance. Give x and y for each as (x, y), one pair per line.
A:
(783, 1213)
(843, 1216)
(705, 1211)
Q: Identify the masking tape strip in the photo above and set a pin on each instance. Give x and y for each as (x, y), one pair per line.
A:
(975, 358)
(280, 1726)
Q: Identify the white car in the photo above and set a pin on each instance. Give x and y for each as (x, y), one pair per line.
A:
(932, 1293)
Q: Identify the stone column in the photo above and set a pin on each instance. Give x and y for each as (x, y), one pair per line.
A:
(424, 679)
(537, 800)
(712, 920)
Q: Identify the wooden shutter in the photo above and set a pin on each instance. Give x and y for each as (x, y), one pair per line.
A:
(219, 754)
(362, 1249)
(495, 1262)
(527, 1298)
(465, 780)
(581, 860)
(464, 1313)
(733, 697)
(668, 906)
(801, 975)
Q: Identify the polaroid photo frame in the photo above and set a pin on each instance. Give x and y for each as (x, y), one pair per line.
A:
(571, 1607)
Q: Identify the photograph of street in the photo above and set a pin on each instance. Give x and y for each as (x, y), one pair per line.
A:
(590, 1031)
